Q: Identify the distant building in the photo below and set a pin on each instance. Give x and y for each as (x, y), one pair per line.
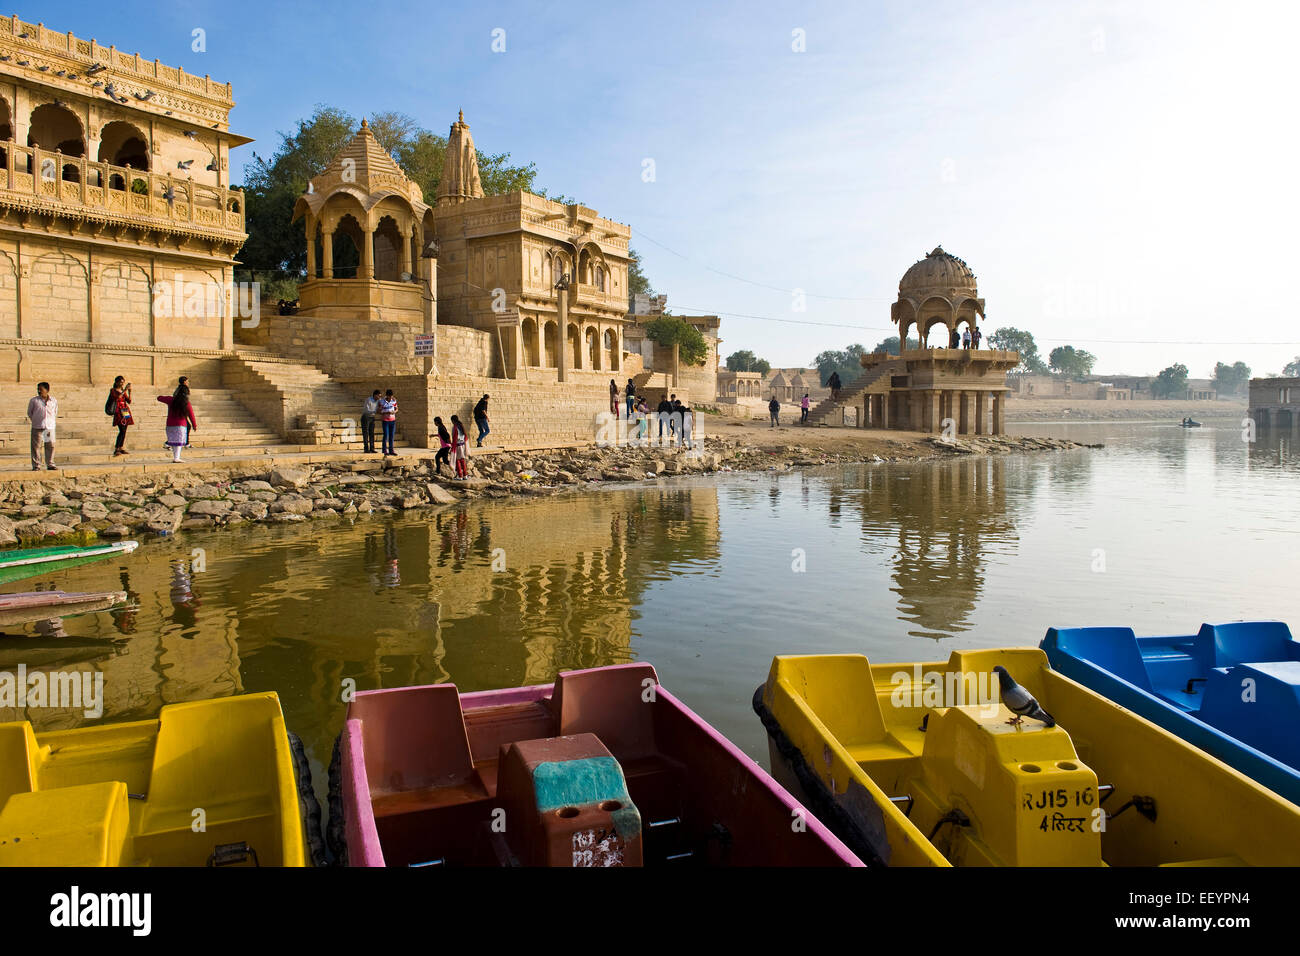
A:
(694, 383)
(1275, 403)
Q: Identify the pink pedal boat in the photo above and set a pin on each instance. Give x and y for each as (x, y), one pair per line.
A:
(602, 768)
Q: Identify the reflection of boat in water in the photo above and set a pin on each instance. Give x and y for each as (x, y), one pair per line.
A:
(915, 765)
(29, 562)
(602, 768)
(28, 606)
(1188, 423)
(1192, 685)
(55, 647)
(130, 794)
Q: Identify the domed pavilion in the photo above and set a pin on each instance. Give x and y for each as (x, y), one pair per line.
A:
(942, 389)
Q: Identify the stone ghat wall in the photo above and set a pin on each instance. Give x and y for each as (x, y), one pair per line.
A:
(345, 348)
(466, 351)
(73, 292)
(520, 414)
(71, 364)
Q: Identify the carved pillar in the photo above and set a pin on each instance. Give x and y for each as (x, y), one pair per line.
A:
(327, 253)
(981, 413)
(999, 400)
(964, 414)
(367, 270)
(311, 246)
(932, 412)
(404, 260)
(93, 272)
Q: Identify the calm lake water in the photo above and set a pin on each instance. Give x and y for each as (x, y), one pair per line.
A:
(1162, 529)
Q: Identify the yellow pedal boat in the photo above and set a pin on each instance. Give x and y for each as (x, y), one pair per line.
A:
(210, 782)
(921, 765)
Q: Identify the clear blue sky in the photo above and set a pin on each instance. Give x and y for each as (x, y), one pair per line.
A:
(1115, 173)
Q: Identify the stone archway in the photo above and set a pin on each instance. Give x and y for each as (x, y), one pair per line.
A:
(529, 334)
(123, 144)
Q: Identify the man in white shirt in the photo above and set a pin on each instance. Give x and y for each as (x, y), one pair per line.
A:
(369, 409)
(43, 410)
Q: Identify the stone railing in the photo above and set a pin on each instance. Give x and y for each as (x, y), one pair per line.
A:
(29, 173)
(40, 37)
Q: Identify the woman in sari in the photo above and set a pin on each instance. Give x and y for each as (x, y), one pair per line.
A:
(459, 449)
(119, 402)
(180, 418)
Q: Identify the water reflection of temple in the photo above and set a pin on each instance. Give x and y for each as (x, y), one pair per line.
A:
(937, 522)
(414, 600)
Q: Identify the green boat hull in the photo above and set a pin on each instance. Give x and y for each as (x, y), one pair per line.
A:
(26, 563)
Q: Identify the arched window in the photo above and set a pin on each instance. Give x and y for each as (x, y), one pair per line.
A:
(122, 144)
(600, 278)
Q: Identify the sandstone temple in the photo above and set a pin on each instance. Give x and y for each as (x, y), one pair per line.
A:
(922, 388)
(119, 237)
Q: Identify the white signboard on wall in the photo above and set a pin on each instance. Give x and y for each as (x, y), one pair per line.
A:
(424, 345)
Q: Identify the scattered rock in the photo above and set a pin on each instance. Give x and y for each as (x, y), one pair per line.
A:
(290, 504)
(289, 477)
(170, 500)
(115, 531)
(438, 494)
(209, 507)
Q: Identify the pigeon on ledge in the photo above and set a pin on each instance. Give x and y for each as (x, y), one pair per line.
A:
(1019, 701)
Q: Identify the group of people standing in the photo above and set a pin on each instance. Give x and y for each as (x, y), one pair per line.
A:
(679, 417)
(968, 339)
(454, 444)
(43, 413)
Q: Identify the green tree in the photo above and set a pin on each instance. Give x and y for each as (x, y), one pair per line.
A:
(1292, 369)
(686, 341)
(891, 345)
(637, 283)
(1171, 382)
(1069, 362)
(277, 247)
(747, 361)
(1014, 340)
(1231, 379)
(847, 362)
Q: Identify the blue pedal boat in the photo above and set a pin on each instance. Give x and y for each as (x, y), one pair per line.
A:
(1232, 690)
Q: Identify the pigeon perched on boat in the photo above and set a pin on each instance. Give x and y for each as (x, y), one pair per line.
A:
(1019, 701)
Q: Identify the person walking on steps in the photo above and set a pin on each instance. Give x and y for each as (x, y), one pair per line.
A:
(180, 417)
(804, 404)
(629, 393)
(444, 447)
(459, 449)
(118, 405)
(388, 418)
(663, 411)
(774, 409)
(613, 398)
(834, 384)
(43, 410)
(369, 409)
(481, 420)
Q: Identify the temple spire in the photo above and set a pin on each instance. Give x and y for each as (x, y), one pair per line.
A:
(460, 179)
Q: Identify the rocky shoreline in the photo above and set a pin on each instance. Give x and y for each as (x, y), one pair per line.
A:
(81, 508)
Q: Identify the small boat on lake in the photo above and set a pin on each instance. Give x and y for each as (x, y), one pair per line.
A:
(129, 794)
(23, 563)
(916, 765)
(1233, 690)
(1188, 423)
(602, 768)
(31, 606)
